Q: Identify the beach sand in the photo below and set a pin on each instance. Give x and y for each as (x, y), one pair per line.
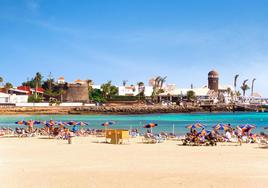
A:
(33, 162)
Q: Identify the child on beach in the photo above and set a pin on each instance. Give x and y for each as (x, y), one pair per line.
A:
(239, 135)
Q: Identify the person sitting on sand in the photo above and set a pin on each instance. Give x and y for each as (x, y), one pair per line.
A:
(228, 135)
(66, 133)
(195, 137)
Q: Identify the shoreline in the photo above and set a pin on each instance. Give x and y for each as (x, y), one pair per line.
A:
(112, 110)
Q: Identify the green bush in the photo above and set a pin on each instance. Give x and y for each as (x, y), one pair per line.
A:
(33, 98)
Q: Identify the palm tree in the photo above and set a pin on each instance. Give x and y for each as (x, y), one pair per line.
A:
(245, 87)
(7, 86)
(125, 82)
(109, 90)
(1, 80)
(252, 86)
(141, 89)
(141, 86)
(235, 81)
(37, 81)
(157, 81)
(191, 95)
(229, 90)
(162, 80)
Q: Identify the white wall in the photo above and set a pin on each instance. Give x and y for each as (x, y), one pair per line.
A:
(89, 104)
(4, 99)
(8, 98)
(18, 98)
(32, 104)
(148, 91)
(71, 104)
(128, 90)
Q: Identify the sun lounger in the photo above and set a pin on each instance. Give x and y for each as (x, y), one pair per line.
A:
(148, 139)
(263, 143)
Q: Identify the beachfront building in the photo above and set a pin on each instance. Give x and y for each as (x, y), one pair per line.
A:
(255, 99)
(135, 90)
(28, 90)
(203, 95)
(6, 98)
(61, 80)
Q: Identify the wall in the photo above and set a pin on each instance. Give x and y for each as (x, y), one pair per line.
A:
(18, 98)
(32, 104)
(71, 104)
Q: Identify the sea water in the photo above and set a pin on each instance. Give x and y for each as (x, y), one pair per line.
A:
(166, 122)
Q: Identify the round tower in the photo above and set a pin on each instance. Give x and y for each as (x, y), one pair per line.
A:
(213, 80)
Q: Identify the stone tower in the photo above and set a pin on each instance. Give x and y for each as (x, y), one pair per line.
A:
(213, 80)
(76, 93)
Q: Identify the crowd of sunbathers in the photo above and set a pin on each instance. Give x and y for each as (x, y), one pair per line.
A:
(56, 132)
(225, 133)
(230, 134)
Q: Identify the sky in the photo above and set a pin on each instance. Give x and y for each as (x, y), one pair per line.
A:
(135, 40)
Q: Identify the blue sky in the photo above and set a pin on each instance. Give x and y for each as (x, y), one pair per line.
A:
(135, 40)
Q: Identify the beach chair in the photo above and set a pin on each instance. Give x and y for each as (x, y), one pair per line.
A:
(263, 143)
(149, 139)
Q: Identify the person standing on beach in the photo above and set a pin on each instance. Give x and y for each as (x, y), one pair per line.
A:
(239, 135)
(30, 125)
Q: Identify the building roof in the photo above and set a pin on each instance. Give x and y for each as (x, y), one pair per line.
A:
(225, 87)
(78, 81)
(213, 73)
(29, 90)
(61, 78)
(18, 90)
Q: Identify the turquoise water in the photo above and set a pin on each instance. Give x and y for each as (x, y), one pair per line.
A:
(165, 121)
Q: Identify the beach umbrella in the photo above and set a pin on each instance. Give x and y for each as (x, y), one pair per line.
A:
(108, 123)
(150, 126)
(60, 124)
(247, 126)
(195, 126)
(71, 123)
(204, 132)
(49, 122)
(82, 123)
(221, 126)
(22, 122)
(27, 122)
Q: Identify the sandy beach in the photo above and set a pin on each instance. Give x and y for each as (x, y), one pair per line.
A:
(33, 162)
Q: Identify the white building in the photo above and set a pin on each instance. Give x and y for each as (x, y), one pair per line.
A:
(96, 86)
(61, 80)
(134, 90)
(12, 98)
(202, 94)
